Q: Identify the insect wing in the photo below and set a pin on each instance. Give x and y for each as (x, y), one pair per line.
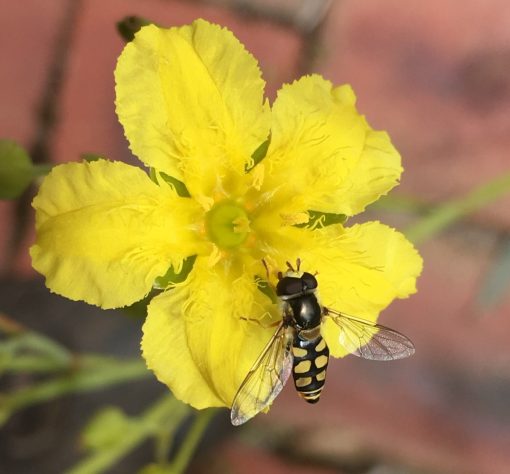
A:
(266, 378)
(369, 340)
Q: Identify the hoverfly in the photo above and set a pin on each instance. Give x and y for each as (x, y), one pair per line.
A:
(298, 347)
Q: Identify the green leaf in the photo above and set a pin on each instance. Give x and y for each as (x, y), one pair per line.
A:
(16, 170)
(130, 25)
(171, 276)
(105, 428)
(166, 414)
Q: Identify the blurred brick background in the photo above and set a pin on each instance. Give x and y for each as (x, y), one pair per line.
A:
(436, 75)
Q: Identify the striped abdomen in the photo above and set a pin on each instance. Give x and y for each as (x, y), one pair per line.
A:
(310, 363)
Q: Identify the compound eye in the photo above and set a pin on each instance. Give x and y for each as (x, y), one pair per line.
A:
(309, 281)
(289, 286)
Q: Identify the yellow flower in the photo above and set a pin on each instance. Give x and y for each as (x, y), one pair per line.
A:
(192, 106)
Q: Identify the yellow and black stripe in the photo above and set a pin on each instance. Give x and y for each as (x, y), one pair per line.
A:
(309, 370)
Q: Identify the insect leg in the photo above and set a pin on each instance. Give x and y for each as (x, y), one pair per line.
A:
(267, 268)
(257, 321)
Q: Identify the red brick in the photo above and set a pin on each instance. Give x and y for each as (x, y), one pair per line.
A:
(87, 118)
(28, 31)
(435, 75)
(234, 457)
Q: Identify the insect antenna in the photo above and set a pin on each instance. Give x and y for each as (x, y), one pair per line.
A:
(267, 269)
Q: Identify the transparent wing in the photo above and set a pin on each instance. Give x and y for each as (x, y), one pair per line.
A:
(369, 340)
(266, 378)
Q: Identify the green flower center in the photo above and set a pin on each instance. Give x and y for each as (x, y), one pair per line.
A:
(227, 224)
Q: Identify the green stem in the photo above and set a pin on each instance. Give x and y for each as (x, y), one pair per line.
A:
(92, 374)
(166, 413)
(32, 364)
(183, 457)
(45, 346)
(400, 203)
(9, 326)
(26, 350)
(163, 443)
(447, 214)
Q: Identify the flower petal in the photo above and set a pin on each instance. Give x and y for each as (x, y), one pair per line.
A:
(195, 341)
(191, 102)
(361, 269)
(105, 231)
(323, 153)
(166, 350)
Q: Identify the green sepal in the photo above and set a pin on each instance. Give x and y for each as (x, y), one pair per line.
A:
(130, 25)
(171, 277)
(264, 287)
(89, 157)
(319, 219)
(153, 175)
(16, 170)
(179, 186)
(138, 310)
(258, 155)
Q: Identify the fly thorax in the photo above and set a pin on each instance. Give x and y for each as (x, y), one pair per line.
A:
(306, 311)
